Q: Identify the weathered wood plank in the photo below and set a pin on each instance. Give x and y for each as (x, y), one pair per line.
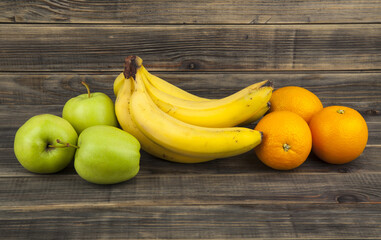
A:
(50, 88)
(13, 116)
(233, 198)
(259, 221)
(182, 189)
(190, 12)
(331, 88)
(190, 48)
(248, 163)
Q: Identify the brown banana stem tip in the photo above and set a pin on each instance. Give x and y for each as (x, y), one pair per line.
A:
(130, 66)
(269, 84)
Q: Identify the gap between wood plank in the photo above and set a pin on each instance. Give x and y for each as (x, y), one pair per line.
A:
(368, 145)
(111, 72)
(240, 71)
(188, 24)
(69, 175)
(149, 203)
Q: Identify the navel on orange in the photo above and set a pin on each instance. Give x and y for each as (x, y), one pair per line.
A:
(296, 99)
(286, 140)
(339, 134)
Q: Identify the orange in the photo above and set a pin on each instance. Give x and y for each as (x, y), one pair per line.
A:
(296, 99)
(286, 141)
(339, 134)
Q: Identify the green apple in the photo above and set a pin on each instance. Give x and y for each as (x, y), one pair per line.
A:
(107, 155)
(36, 146)
(89, 109)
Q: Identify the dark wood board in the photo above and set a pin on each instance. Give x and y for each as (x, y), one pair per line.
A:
(190, 12)
(221, 221)
(359, 90)
(246, 163)
(183, 189)
(211, 49)
(63, 47)
(356, 89)
(22, 113)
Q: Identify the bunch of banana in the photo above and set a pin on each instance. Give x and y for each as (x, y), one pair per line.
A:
(175, 125)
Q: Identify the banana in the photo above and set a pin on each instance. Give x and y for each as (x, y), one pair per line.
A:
(171, 89)
(122, 110)
(262, 111)
(174, 92)
(225, 112)
(184, 138)
(118, 83)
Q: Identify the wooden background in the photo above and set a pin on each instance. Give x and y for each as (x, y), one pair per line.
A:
(211, 49)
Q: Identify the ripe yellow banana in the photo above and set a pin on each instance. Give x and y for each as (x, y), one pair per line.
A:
(225, 112)
(171, 89)
(263, 109)
(185, 138)
(123, 88)
(118, 83)
(174, 91)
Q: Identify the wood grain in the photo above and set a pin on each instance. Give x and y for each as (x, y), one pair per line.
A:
(211, 49)
(358, 89)
(246, 163)
(247, 221)
(190, 48)
(200, 189)
(21, 113)
(190, 12)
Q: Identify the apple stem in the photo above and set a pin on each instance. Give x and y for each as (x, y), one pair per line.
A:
(87, 87)
(64, 144)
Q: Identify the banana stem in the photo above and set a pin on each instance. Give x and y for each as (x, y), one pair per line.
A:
(131, 64)
(87, 87)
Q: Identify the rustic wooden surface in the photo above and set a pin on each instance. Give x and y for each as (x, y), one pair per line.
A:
(332, 48)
